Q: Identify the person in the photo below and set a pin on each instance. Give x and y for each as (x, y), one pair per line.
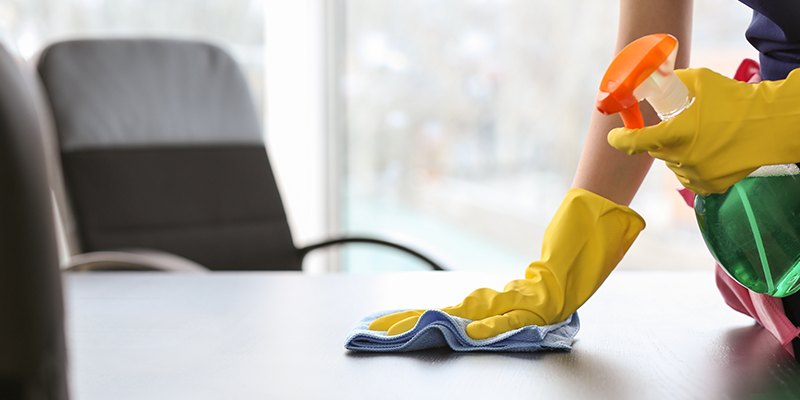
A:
(730, 130)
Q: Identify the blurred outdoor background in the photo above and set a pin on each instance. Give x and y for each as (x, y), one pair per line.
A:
(466, 119)
(460, 121)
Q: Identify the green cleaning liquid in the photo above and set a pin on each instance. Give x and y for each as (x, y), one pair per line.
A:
(753, 229)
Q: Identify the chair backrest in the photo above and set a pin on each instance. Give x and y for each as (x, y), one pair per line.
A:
(161, 148)
(32, 345)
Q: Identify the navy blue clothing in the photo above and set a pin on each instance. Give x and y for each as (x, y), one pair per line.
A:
(775, 33)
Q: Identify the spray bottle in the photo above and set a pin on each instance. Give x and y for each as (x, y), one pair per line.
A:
(753, 229)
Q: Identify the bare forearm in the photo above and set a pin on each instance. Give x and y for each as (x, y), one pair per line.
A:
(603, 169)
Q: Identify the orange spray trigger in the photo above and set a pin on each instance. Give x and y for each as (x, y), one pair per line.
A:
(643, 69)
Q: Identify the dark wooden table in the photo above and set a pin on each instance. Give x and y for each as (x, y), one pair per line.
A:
(644, 335)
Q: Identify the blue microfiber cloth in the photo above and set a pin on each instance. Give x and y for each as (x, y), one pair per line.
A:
(438, 329)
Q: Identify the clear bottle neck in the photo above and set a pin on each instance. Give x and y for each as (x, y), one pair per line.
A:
(683, 105)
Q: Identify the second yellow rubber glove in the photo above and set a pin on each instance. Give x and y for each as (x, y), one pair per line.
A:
(583, 243)
(731, 129)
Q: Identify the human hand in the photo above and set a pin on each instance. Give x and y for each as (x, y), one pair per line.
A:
(731, 129)
(586, 239)
(492, 312)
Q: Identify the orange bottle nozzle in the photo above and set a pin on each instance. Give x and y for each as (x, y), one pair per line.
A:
(629, 69)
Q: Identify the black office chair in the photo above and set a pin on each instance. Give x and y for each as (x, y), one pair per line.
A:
(162, 151)
(32, 345)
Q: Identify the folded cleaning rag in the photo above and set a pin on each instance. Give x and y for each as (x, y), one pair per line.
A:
(438, 329)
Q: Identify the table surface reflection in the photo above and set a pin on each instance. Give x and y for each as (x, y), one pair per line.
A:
(279, 335)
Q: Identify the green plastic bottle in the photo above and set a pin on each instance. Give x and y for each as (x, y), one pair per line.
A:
(753, 229)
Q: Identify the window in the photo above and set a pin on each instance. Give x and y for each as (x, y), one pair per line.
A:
(465, 121)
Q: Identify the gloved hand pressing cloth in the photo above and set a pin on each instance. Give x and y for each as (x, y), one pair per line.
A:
(586, 239)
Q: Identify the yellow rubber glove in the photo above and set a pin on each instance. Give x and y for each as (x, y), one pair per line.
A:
(731, 129)
(583, 243)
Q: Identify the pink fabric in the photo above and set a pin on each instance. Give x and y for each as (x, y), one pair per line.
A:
(688, 196)
(767, 310)
(749, 71)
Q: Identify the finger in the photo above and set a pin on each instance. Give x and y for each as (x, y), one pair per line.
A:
(495, 325)
(699, 185)
(485, 302)
(623, 139)
(722, 183)
(694, 77)
(680, 172)
(689, 183)
(403, 326)
(718, 186)
(386, 322)
(695, 188)
(651, 139)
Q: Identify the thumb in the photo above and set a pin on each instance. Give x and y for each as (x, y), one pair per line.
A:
(387, 321)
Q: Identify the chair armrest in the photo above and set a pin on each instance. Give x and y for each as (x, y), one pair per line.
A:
(132, 260)
(404, 244)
